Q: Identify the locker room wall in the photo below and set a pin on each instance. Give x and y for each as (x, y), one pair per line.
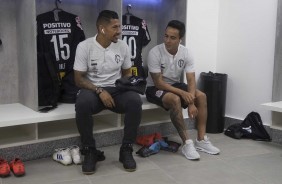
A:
(26, 46)
(18, 58)
(8, 53)
(277, 70)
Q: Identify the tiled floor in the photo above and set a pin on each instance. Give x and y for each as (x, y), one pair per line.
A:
(240, 161)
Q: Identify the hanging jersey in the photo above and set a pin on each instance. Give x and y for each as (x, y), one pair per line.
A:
(58, 37)
(135, 33)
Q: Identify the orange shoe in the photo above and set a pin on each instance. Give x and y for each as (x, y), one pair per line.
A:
(17, 167)
(4, 168)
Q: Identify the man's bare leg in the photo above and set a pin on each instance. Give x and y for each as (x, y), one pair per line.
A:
(201, 104)
(173, 103)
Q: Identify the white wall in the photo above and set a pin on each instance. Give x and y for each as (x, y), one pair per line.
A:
(236, 38)
(202, 28)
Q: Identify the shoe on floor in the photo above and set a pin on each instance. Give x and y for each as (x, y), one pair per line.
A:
(63, 156)
(189, 150)
(75, 154)
(89, 161)
(206, 146)
(126, 158)
(4, 168)
(17, 167)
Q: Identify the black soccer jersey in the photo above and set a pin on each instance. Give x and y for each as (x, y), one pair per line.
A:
(58, 37)
(135, 33)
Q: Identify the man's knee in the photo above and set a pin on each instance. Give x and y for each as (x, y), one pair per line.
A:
(171, 101)
(201, 97)
(83, 102)
(134, 99)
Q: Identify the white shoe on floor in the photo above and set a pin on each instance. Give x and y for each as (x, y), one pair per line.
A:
(189, 151)
(63, 156)
(206, 146)
(75, 154)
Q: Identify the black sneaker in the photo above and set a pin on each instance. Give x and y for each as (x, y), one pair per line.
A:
(125, 157)
(91, 156)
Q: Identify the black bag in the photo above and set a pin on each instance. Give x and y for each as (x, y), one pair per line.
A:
(251, 128)
(234, 131)
(132, 83)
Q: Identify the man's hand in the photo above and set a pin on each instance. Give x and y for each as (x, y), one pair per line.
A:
(187, 97)
(107, 99)
(192, 111)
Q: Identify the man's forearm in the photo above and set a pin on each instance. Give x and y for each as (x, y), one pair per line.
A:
(191, 83)
(192, 89)
(162, 85)
(86, 84)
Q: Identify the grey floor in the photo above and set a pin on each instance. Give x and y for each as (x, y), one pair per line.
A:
(240, 161)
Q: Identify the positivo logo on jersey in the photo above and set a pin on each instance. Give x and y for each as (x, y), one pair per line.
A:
(62, 28)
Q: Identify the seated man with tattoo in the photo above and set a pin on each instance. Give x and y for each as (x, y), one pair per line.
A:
(166, 63)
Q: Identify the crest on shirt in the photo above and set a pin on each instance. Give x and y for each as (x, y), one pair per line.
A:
(180, 63)
(117, 58)
(159, 93)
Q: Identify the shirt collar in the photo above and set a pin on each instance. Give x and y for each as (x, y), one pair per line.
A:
(99, 45)
(169, 53)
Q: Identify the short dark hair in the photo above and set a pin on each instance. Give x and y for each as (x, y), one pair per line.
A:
(105, 16)
(177, 25)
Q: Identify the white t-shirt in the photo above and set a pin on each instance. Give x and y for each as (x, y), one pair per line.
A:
(161, 61)
(103, 65)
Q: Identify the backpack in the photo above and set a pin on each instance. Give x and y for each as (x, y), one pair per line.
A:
(251, 128)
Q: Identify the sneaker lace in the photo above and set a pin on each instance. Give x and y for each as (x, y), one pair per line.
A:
(191, 147)
(90, 156)
(207, 140)
(127, 152)
(75, 151)
(63, 151)
(19, 166)
(3, 165)
(74, 147)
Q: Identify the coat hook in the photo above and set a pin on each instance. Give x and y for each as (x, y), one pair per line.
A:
(128, 7)
(56, 3)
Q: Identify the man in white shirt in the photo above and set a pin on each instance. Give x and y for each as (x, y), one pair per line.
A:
(166, 64)
(99, 62)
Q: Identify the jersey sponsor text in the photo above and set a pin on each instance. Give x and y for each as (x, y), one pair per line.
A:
(57, 31)
(57, 25)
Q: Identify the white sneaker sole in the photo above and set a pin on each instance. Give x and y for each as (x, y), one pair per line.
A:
(190, 158)
(77, 162)
(206, 151)
(66, 164)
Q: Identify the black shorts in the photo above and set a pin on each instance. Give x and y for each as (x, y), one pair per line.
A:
(155, 96)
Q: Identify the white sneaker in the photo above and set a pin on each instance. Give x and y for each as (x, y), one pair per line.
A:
(189, 150)
(206, 146)
(75, 154)
(63, 156)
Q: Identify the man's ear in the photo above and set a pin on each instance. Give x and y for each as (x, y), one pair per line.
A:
(101, 28)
